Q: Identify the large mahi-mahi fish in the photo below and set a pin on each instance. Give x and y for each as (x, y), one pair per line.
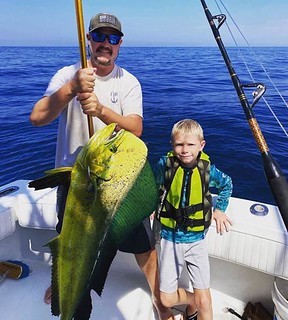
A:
(112, 189)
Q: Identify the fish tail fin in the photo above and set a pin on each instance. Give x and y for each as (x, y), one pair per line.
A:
(52, 178)
(55, 307)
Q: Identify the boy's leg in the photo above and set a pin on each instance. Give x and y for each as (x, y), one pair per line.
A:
(180, 296)
(198, 267)
(199, 301)
(141, 242)
(172, 262)
(173, 258)
(148, 263)
(203, 301)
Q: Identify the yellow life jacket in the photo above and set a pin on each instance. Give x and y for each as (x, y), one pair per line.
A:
(197, 212)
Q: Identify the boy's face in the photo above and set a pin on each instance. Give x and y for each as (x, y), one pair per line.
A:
(186, 147)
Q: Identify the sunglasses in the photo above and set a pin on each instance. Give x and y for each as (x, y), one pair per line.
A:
(100, 37)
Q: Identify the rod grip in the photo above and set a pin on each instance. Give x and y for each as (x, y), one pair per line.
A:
(278, 185)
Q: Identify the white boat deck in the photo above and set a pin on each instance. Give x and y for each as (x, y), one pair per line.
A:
(126, 295)
(244, 262)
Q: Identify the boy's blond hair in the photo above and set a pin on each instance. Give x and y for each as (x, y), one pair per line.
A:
(187, 126)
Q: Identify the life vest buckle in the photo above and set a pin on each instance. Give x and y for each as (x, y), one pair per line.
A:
(184, 221)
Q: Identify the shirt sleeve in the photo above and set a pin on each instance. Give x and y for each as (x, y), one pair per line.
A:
(223, 183)
(131, 101)
(61, 77)
(160, 171)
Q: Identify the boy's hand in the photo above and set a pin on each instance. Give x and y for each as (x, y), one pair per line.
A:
(222, 221)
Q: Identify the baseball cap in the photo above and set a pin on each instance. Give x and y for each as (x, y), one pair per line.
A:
(105, 20)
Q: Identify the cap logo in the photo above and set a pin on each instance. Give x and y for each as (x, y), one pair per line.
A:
(107, 19)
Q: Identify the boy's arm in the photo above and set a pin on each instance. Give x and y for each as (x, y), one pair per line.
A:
(159, 171)
(223, 222)
(224, 185)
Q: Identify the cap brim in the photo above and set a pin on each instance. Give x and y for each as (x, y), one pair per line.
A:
(116, 30)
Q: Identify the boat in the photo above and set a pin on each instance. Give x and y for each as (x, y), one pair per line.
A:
(249, 265)
(245, 262)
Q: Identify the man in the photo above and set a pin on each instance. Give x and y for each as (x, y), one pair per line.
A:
(108, 94)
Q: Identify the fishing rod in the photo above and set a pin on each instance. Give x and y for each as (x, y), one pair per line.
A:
(276, 179)
(82, 47)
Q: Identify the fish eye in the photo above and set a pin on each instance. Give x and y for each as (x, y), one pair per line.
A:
(113, 148)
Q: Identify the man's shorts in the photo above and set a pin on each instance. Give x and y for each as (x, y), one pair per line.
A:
(140, 240)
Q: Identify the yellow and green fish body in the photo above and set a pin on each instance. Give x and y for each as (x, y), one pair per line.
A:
(112, 189)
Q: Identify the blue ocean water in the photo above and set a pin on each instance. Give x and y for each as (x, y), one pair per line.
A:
(177, 83)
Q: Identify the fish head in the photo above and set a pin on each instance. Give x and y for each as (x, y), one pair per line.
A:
(96, 155)
(100, 158)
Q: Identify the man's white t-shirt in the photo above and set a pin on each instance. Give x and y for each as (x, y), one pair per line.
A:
(119, 90)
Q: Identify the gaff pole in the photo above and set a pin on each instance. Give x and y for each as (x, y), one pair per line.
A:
(82, 47)
(276, 179)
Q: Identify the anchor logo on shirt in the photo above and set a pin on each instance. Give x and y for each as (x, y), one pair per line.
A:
(114, 97)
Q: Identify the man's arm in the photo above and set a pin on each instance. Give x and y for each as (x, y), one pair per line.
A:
(132, 122)
(48, 108)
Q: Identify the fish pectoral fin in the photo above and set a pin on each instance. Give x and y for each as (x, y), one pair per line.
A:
(100, 171)
(104, 177)
(101, 267)
(52, 178)
(100, 176)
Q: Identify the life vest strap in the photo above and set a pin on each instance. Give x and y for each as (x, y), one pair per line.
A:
(180, 212)
(181, 215)
(186, 222)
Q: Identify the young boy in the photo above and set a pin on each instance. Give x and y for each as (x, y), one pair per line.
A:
(185, 213)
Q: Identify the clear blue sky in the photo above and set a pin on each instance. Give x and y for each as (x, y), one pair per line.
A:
(145, 23)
